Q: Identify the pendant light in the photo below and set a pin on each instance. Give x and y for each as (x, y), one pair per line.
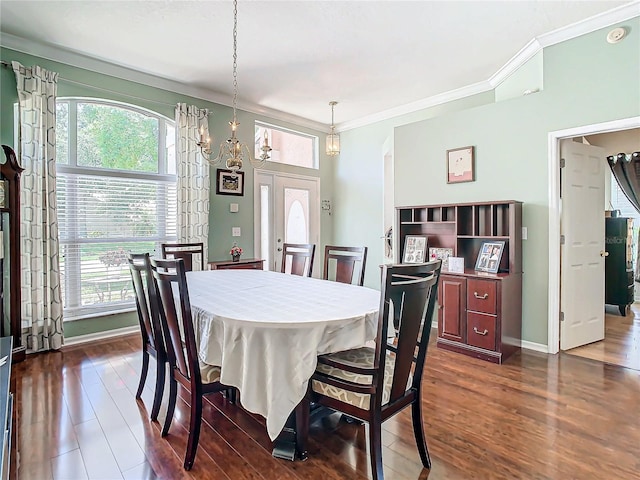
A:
(333, 140)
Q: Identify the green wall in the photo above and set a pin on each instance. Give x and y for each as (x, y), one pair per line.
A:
(77, 82)
(586, 81)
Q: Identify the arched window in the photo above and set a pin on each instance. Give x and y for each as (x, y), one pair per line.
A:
(116, 193)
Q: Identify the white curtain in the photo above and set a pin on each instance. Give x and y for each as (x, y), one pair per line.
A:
(193, 175)
(41, 297)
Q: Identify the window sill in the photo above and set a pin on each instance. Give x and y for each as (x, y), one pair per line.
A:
(85, 316)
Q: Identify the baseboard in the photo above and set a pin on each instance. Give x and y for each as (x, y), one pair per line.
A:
(91, 337)
(537, 347)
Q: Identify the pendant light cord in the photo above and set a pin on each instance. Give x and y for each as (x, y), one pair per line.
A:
(235, 58)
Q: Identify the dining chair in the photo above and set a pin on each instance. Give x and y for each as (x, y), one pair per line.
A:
(297, 258)
(184, 364)
(185, 251)
(373, 384)
(344, 264)
(152, 339)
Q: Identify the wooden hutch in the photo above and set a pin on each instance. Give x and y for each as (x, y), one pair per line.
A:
(479, 314)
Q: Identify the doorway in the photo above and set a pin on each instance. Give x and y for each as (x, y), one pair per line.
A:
(621, 338)
(286, 210)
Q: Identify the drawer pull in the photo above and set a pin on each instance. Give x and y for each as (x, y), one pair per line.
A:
(481, 297)
(475, 329)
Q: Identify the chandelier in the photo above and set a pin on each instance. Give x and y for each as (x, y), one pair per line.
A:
(233, 152)
(333, 140)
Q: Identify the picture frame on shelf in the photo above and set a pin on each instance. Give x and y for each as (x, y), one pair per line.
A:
(456, 264)
(441, 254)
(229, 182)
(415, 249)
(489, 256)
(461, 165)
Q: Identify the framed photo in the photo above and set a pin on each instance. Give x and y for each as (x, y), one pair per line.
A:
(441, 254)
(461, 165)
(489, 256)
(229, 183)
(415, 249)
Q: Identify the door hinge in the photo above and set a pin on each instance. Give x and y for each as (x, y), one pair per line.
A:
(562, 316)
(562, 163)
(562, 240)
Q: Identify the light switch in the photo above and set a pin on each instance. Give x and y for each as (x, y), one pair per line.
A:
(233, 207)
(524, 233)
(235, 231)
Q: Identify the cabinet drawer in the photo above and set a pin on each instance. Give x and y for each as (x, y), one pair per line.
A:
(481, 296)
(481, 330)
(240, 266)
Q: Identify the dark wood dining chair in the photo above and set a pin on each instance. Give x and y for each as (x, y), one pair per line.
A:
(373, 384)
(152, 339)
(184, 364)
(185, 251)
(297, 258)
(345, 264)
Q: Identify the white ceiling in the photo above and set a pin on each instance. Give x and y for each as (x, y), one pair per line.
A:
(296, 56)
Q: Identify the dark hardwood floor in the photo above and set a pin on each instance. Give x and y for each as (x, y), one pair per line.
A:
(535, 417)
(621, 344)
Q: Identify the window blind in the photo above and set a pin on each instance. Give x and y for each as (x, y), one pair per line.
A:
(101, 218)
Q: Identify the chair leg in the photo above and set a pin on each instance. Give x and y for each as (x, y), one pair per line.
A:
(173, 393)
(161, 368)
(194, 429)
(375, 448)
(143, 373)
(418, 431)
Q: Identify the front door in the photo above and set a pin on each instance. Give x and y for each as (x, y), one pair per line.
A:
(287, 211)
(583, 251)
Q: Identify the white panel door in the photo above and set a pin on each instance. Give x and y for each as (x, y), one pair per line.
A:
(297, 213)
(582, 262)
(287, 211)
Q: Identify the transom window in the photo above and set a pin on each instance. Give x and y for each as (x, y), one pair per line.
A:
(289, 147)
(116, 192)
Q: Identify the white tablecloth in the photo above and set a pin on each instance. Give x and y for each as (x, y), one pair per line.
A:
(265, 329)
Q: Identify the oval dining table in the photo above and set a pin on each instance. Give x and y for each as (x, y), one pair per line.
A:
(266, 329)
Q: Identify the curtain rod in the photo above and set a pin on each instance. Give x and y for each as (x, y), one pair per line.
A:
(624, 156)
(74, 82)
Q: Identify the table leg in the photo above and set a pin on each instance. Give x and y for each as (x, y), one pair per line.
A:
(302, 428)
(291, 444)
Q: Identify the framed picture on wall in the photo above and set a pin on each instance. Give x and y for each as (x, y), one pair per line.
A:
(489, 256)
(461, 165)
(229, 182)
(415, 249)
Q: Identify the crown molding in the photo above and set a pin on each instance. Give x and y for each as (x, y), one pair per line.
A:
(591, 24)
(98, 65)
(412, 107)
(69, 57)
(602, 20)
(523, 56)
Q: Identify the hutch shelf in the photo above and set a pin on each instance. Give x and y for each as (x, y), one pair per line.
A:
(479, 313)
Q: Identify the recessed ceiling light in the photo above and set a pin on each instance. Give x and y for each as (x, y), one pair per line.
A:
(617, 34)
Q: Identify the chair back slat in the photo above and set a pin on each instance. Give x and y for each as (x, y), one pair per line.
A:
(412, 292)
(186, 252)
(297, 258)
(175, 314)
(146, 298)
(345, 264)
